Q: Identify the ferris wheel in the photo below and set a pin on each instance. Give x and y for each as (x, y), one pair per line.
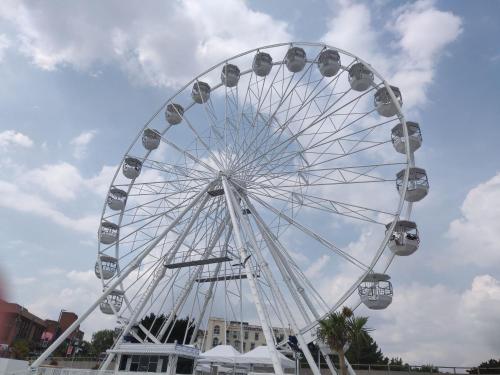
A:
(251, 180)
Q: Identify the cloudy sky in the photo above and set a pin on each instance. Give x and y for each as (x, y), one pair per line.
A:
(80, 78)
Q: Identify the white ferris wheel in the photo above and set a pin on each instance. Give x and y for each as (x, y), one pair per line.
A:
(244, 179)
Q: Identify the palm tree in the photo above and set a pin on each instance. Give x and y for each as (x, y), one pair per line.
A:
(339, 330)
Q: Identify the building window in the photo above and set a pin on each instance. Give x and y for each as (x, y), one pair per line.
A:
(123, 363)
(184, 365)
(256, 336)
(246, 335)
(216, 330)
(144, 363)
(252, 346)
(237, 344)
(244, 346)
(215, 342)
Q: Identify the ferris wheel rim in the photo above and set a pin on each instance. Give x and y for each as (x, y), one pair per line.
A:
(400, 115)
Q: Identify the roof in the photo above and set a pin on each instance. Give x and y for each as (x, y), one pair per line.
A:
(14, 308)
(158, 349)
(261, 356)
(220, 354)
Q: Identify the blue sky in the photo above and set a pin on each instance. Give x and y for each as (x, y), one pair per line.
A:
(80, 79)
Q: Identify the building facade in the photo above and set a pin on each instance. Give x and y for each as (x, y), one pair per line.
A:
(17, 323)
(241, 335)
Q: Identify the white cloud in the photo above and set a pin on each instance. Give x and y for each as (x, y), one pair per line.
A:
(62, 180)
(314, 270)
(419, 36)
(13, 138)
(474, 236)
(419, 51)
(160, 44)
(21, 281)
(12, 197)
(30, 191)
(421, 16)
(81, 142)
(4, 45)
(437, 323)
(73, 291)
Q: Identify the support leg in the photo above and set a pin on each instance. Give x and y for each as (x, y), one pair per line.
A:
(276, 250)
(268, 333)
(270, 278)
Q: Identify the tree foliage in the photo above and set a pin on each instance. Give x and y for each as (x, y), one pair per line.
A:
(340, 329)
(176, 330)
(101, 341)
(491, 366)
(365, 351)
(20, 349)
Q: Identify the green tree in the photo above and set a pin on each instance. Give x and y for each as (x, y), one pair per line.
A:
(365, 351)
(491, 366)
(20, 349)
(101, 341)
(177, 328)
(341, 329)
(426, 368)
(397, 364)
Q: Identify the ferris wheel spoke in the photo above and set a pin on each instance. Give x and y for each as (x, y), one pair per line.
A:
(211, 117)
(312, 234)
(143, 231)
(285, 265)
(330, 137)
(173, 169)
(307, 103)
(198, 137)
(188, 155)
(187, 288)
(285, 143)
(166, 211)
(333, 206)
(284, 96)
(282, 126)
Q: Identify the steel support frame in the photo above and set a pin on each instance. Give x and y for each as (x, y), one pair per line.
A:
(272, 283)
(257, 298)
(276, 249)
(132, 266)
(192, 280)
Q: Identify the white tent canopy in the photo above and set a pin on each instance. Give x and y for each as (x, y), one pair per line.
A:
(220, 354)
(261, 356)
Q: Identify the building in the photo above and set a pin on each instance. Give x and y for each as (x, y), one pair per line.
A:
(55, 328)
(17, 323)
(219, 331)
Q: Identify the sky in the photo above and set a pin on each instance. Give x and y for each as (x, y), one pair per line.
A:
(79, 79)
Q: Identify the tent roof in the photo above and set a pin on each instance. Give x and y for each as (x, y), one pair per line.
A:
(261, 355)
(220, 353)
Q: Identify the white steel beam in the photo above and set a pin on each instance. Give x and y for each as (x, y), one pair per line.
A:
(277, 292)
(268, 333)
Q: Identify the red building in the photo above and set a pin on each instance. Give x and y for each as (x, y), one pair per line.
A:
(17, 323)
